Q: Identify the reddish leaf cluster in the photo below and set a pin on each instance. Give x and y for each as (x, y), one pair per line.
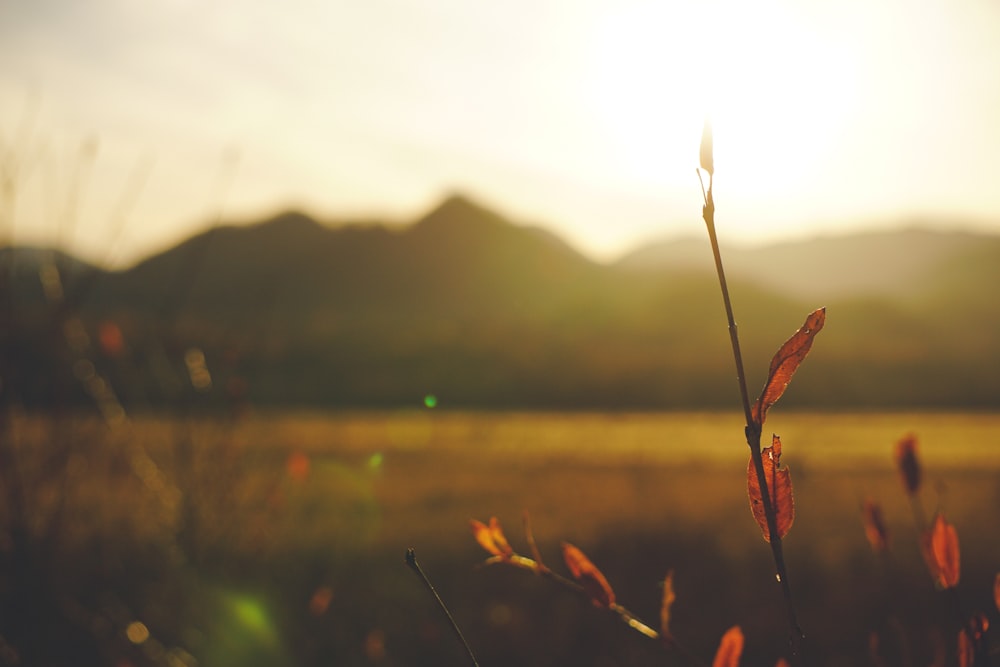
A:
(491, 538)
(778, 480)
(592, 582)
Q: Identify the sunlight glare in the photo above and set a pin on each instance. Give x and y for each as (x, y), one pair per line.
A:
(778, 89)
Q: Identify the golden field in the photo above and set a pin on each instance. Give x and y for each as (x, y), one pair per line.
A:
(219, 534)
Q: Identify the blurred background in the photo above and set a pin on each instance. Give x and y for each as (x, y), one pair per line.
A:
(287, 289)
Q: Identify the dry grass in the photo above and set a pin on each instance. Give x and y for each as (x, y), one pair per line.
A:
(640, 492)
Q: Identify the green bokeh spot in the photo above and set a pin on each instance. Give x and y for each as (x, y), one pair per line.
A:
(430, 400)
(252, 615)
(375, 461)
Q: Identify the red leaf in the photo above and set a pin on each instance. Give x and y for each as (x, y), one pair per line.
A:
(585, 572)
(779, 485)
(785, 362)
(966, 650)
(944, 548)
(730, 648)
(491, 537)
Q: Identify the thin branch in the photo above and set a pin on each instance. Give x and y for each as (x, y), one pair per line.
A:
(752, 430)
(411, 561)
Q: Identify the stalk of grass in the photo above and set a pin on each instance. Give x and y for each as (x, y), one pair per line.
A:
(411, 561)
(752, 430)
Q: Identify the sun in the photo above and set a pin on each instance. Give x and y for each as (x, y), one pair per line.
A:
(778, 90)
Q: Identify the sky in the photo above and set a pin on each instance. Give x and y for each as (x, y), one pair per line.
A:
(127, 126)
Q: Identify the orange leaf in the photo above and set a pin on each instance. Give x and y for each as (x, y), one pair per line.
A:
(785, 362)
(668, 601)
(944, 547)
(593, 582)
(978, 625)
(996, 591)
(966, 650)
(779, 484)
(730, 648)
(908, 463)
(875, 530)
(491, 537)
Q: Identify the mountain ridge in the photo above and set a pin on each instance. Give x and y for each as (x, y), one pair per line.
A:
(466, 304)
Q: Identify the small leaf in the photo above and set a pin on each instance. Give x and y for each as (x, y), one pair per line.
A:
(785, 362)
(491, 537)
(944, 547)
(668, 601)
(966, 650)
(875, 530)
(908, 463)
(779, 484)
(706, 154)
(978, 625)
(587, 574)
(730, 648)
(498, 537)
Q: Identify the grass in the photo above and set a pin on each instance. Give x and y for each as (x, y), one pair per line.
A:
(641, 493)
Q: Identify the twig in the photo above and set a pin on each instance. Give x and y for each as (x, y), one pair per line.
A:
(752, 430)
(411, 561)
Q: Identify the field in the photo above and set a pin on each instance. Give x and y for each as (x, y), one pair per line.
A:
(269, 539)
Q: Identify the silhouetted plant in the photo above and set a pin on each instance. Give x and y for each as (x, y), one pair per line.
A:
(939, 548)
(769, 485)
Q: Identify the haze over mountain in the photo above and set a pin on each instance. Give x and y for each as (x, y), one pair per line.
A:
(482, 312)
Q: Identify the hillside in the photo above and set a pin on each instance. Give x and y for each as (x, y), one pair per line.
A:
(896, 264)
(483, 312)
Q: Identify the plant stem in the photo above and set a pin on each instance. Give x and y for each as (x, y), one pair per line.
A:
(411, 561)
(752, 430)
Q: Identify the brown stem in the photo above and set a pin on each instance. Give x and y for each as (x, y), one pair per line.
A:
(753, 431)
(411, 561)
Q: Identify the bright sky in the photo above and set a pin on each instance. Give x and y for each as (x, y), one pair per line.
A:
(126, 126)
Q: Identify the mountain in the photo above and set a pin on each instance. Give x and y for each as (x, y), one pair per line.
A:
(883, 263)
(482, 312)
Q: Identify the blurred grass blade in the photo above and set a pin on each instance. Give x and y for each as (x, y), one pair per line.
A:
(665, 605)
